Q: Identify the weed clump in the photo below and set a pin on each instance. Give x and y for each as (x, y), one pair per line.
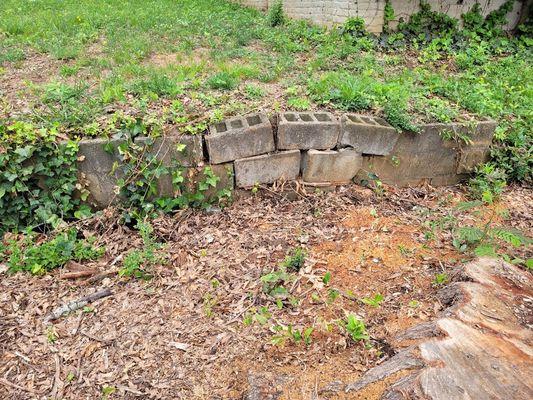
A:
(38, 259)
(276, 15)
(137, 263)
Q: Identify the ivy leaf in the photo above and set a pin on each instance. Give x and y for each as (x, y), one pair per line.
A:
(485, 250)
(24, 152)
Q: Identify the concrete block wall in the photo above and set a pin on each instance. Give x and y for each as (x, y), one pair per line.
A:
(331, 12)
(318, 148)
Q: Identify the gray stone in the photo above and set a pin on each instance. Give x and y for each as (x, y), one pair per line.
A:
(97, 170)
(428, 158)
(185, 150)
(226, 174)
(331, 166)
(239, 137)
(470, 157)
(416, 159)
(307, 130)
(267, 168)
(476, 151)
(368, 135)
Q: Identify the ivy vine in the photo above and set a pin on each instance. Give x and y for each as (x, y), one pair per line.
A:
(148, 185)
(38, 178)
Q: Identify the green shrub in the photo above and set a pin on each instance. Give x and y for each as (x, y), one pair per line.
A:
(137, 263)
(22, 255)
(295, 261)
(355, 27)
(488, 183)
(223, 80)
(276, 15)
(38, 178)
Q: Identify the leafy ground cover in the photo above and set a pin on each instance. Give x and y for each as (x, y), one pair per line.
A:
(97, 68)
(71, 70)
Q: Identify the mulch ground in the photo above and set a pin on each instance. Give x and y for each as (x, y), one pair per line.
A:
(181, 334)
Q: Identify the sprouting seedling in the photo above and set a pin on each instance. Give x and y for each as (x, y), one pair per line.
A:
(355, 328)
(295, 261)
(414, 304)
(326, 278)
(374, 301)
(440, 279)
(290, 333)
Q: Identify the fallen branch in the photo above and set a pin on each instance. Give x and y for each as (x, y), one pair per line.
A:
(78, 274)
(77, 304)
(99, 277)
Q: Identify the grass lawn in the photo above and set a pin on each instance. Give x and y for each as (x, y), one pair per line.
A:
(84, 65)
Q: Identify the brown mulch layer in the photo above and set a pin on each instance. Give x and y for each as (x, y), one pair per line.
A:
(181, 334)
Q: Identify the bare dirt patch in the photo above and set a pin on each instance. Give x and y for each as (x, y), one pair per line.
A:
(181, 334)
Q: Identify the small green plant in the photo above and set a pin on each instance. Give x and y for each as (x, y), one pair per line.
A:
(275, 282)
(355, 328)
(260, 316)
(373, 301)
(276, 15)
(326, 278)
(414, 304)
(488, 183)
(51, 335)
(223, 80)
(297, 336)
(137, 263)
(38, 259)
(299, 103)
(388, 15)
(295, 261)
(254, 92)
(107, 391)
(355, 27)
(333, 295)
(440, 279)
(209, 302)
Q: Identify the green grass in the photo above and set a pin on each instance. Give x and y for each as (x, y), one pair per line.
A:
(168, 61)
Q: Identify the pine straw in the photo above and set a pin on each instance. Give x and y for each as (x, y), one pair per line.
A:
(154, 339)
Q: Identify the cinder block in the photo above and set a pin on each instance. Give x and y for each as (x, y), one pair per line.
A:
(95, 169)
(226, 174)
(470, 157)
(185, 150)
(416, 158)
(331, 166)
(267, 168)
(307, 130)
(368, 135)
(240, 137)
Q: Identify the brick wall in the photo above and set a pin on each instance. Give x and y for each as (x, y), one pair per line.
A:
(330, 12)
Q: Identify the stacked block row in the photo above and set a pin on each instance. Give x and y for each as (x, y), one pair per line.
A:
(316, 146)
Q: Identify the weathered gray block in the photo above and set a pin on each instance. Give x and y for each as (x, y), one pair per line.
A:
(307, 130)
(428, 158)
(267, 168)
(169, 148)
(477, 151)
(368, 135)
(226, 174)
(170, 151)
(95, 169)
(331, 166)
(239, 138)
(470, 157)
